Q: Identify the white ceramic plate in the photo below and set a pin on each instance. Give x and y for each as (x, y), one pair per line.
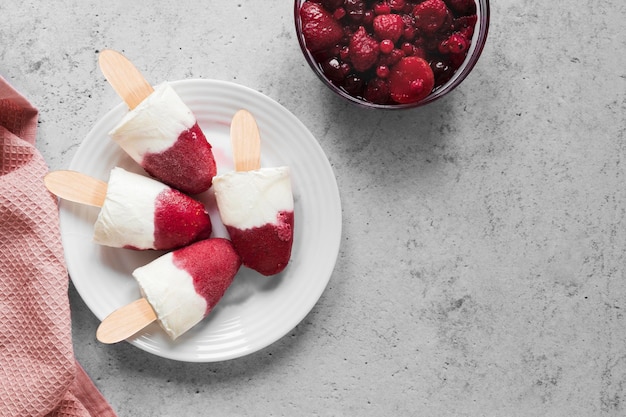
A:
(256, 310)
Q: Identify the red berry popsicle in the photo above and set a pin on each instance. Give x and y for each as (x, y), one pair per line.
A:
(183, 286)
(257, 209)
(256, 204)
(136, 212)
(179, 289)
(159, 132)
(141, 213)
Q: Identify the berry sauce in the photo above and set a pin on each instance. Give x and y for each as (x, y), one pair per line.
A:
(188, 165)
(361, 46)
(179, 220)
(265, 249)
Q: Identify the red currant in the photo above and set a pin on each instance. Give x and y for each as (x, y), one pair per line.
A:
(382, 71)
(407, 48)
(386, 46)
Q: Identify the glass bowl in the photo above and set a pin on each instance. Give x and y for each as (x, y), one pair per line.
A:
(473, 53)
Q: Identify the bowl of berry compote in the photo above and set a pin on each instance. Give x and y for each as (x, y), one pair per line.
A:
(392, 54)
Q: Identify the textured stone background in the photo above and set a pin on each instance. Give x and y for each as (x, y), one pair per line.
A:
(482, 264)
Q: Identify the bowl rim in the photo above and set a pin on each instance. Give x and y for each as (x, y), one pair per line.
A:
(473, 55)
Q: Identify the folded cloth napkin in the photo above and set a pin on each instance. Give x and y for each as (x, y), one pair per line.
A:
(38, 373)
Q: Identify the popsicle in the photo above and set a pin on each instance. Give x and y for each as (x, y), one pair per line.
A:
(136, 212)
(178, 290)
(256, 204)
(159, 132)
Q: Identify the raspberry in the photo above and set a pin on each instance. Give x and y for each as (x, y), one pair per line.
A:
(388, 26)
(319, 28)
(363, 50)
(456, 43)
(430, 15)
(411, 80)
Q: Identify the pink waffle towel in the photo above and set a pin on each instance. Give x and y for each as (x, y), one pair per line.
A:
(38, 373)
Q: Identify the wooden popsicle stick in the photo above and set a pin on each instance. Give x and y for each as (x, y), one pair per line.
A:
(125, 321)
(77, 187)
(124, 77)
(246, 141)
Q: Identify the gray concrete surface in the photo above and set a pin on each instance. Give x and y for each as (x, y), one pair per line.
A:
(482, 264)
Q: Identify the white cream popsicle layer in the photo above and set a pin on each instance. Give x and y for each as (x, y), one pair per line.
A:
(185, 285)
(142, 213)
(154, 125)
(248, 199)
(162, 135)
(257, 209)
(127, 215)
(171, 293)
